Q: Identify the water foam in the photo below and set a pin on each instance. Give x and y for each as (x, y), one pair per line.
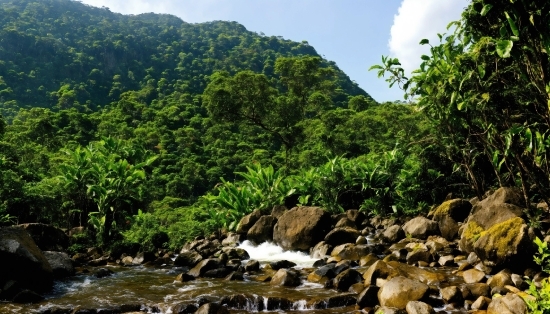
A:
(269, 252)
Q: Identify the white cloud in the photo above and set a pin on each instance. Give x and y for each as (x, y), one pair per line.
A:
(419, 19)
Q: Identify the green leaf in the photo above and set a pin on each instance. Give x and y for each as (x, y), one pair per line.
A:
(460, 105)
(486, 9)
(504, 47)
(424, 41)
(425, 57)
(512, 24)
(481, 71)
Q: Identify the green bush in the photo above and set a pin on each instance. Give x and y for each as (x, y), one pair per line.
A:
(539, 300)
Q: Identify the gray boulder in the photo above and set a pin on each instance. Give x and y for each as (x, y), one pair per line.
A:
(301, 228)
(61, 264)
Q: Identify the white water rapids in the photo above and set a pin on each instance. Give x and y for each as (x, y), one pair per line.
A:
(269, 252)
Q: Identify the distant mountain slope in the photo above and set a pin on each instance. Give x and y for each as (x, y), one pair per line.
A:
(62, 54)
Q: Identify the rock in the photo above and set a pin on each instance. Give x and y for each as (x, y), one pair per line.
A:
(473, 276)
(398, 291)
(103, 272)
(252, 265)
(301, 227)
(345, 279)
(351, 251)
(184, 277)
(377, 270)
(232, 239)
(322, 274)
(368, 297)
(248, 221)
(281, 264)
(415, 273)
(500, 279)
(389, 310)
(456, 209)
(236, 253)
(479, 290)
(481, 303)
(418, 307)
(126, 261)
(184, 308)
(61, 264)
(418, 255)
(508, 304)
(321, 250)
(519, 282)
(143, 257)
(338, 236)
(220, 272)
(368, 260)
(507, 242)
(47, 237)
(262, 230)
(212, 308)
(361, 240)
(447, 260)
(285, 278)
(22, 260)
(451, 294)
(189, 259)
(27, 296)
(276, 303)
(203, 266)
(393, 234)
(421, 227)
(448, 228)
(235, 276)
(340, 301)
(278, 211)
(357, 217)
(345, 222)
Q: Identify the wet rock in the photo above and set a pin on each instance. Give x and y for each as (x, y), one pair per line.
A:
(250, 303)
(281, 264)
(345, 279)
(262, 230)
(519, 282)
(232, 239)
(345, 222)
(421, 227)
(368, 297)
(252, 265)
(143, 257)
(448, 228)
(22, 260)
(338, 236)
(350, 251)
(127, 261)
(184, 277)
(415, 273)
(221, 272)
(500, 279)
(301, 227)
(377, 270)
(447, 260)
(236, 253)
(103, 272)
(398, 291)
(276, 303)
(473, 276)
(481, 303)
(184, 308)
(188, 258)
(368, 260)
(393, 234)
(321, 250)
(47, 237)
(248, 221)
(212, 308)
(278, 211)
(361, 240)
(100, 261)
(61, 264)
(418, 307)
(322, 274)
(479, 290)
(508, 304)
(357, 217)
(389, 310)
(285, 278)
(340, 301)
(417, 255)
(203, 266)
(451, 294)
(235, 276)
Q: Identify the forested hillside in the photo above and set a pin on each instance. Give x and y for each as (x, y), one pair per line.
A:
(142, 124)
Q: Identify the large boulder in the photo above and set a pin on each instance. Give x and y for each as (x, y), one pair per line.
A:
(393, 234)
(457, 209)
(22, 261)
(248, 221)
(301, 228)
(342, 235)
(262, 230)
(61, 264)
(508, 304)
(286, 278)
(400, 290)
(47, 237)
(351, 251)
(421, 227)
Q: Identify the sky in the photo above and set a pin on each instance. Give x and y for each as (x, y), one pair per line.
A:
(353, 33)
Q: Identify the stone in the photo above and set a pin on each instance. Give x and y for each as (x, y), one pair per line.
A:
(233, 239)
(236, 253)
(500, 279)
(345, 222)
(398, 291)
(447, 260)
(418, 274)
(346, 278)
(103, 272)
(421, 228)
(473, 276)
(321, 250)
(338, 236)
(220, 272)
(479, 290)
(61, 264)
(451, 294)
(184, 277)
(508, 304)
(393, 234)
(203, 266)
(262, 230)
(351, 251)
(252, 265)
(322, 274)
(189, 259)
(301, 227)
(368, 297)
(22, 261)
(278, 211)
(448, 227)
(47, 237)
(143, 257)
(378, 269)
(357, 217)
(212, 308)
(340, 301)
(127, 261)
(418, 255)
(419, 307)
(481, 303)
(248, 221)
(281, 264)
(456, 209)
(184, 308)
(276, 303)
(235, 276)
(368, 260)
(285, 278)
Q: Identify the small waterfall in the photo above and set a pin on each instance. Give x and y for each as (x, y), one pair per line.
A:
(269, 252)
(300, 305)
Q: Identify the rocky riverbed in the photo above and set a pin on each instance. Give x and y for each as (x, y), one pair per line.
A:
(466, 255)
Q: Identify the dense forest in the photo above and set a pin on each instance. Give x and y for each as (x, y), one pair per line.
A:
(146, 129)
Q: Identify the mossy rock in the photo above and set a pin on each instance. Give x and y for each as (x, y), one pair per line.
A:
(506, 243)
(472, 232)
(458, 209)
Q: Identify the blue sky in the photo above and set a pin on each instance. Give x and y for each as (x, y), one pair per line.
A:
(352, 33)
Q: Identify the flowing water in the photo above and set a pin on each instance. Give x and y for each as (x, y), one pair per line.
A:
(157, 290)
